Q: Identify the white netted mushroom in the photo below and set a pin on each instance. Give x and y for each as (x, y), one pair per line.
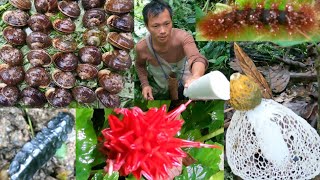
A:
(268, 140)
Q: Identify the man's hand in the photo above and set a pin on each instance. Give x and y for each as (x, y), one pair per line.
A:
(147, 93)
(198, 70)
(190, 80)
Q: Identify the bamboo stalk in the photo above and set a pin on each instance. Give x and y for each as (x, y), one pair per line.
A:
(173, 86)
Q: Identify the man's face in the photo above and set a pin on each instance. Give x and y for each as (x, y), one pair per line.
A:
(160, 26)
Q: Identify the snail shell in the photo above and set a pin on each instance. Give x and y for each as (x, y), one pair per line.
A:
(121, 23)
(90, 54)
(9, 95)
(63, 79)
(17, 18)
(44, 6)
(11, 75)
(94, 18)
(40, 23)
(37, 77)
(39, 57)
(121, 40)
(112, 82)
(83, 94)
(14, 36)
(70, 9)
(87, 71)
(94, 37)
(21, 4)
(58, 97)
(118, 6)
(65, 44)
(11, 56)
(64, 26)
(66, 61)
(107, 99)
(33, 97)
(90, 4)
(38, 40)
(119, 60)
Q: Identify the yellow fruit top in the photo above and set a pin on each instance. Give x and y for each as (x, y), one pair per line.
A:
(245, 94)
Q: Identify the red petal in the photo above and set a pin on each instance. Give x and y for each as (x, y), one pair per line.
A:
(114, 122)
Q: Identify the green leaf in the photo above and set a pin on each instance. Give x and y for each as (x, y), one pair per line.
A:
(86, 143)
(113, 176)
(217, 118)
(198, 115)
(195, 172)
(99, 157)
(199, 12)
(218, 176)
(98, 175)
(191, 135)
(209, 157)
(158, 103)
(287, 43)
(107, 112)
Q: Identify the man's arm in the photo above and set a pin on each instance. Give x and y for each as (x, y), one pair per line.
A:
(198, 70)
(198, 63)
(140, 64)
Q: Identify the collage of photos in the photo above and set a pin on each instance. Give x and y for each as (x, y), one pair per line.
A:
(159, 89)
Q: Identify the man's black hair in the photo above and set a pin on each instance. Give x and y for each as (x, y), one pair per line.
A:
(154, 8)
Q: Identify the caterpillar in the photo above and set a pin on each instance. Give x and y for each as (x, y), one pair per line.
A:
(294, 22)
(41, 148)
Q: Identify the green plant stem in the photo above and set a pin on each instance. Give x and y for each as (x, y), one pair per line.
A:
(30, 123)
(5, 6)
(205, 7)
(211, 135)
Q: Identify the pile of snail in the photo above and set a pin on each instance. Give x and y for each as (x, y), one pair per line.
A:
(59, 78)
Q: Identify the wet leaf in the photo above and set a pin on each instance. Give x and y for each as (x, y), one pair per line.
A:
(86, 143)
(250, 69)
(100, 157)
(98, 175)
(217, 120)
(195, 172)
(279, 78)
(198, 115)
(191, 135)
(113, 176)
(207, 156)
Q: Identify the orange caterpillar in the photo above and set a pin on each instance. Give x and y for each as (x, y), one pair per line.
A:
(300, 20)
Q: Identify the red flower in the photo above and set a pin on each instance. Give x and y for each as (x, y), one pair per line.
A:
(143, 143)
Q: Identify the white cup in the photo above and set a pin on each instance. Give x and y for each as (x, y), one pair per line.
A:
(213, 85)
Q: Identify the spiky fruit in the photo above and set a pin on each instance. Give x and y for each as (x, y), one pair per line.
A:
(245, 94)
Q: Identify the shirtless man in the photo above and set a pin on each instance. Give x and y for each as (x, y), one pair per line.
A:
(166, 50)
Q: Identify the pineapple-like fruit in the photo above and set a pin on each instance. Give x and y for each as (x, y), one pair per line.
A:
(266, 140)
(245, 94)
